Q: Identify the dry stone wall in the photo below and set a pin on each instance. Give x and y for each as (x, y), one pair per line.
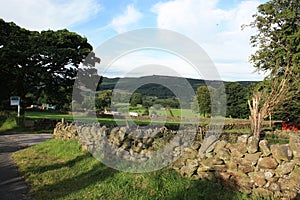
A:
(248, 165)
(65, 131)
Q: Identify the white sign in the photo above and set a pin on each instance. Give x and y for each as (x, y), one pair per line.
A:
(14, 101)
(133, 114)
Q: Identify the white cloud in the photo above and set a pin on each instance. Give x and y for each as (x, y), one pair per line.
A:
(121, 22)
(150, 62)
(217, 30)
(48, 14)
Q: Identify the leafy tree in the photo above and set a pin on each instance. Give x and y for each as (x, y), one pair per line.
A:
(204, 102)
(40, 63)
(236, 100)
(288, 111)
(14, 41)
(103, 100)
(278, 43)
(135, 99)
(147, 103)
(146, 111)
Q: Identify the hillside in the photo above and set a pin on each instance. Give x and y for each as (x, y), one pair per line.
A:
(154, 89)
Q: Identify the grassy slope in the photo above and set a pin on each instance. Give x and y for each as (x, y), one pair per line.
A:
(60, 170)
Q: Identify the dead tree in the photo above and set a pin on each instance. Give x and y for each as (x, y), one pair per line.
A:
(278, 88)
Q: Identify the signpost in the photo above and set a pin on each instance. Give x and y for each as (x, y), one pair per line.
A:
(15, 101)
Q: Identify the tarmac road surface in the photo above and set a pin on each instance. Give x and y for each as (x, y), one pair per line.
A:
(12, 184)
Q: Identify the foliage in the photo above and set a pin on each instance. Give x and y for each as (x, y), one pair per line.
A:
(278, 38)
(204, 102)
(7, 123)
(154, 90)
(55, 173)
(236, 100)
(103, 100)
(39, 63)
(289, 111)
(135, 99)
(169, 102)
(153, 94)
(278, 43)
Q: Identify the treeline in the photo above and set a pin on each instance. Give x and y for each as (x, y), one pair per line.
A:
(235, 99)
(154, 89)
(40, 67)
(233, 103)
(237, 94)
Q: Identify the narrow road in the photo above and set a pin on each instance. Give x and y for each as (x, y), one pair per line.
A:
(12, 185)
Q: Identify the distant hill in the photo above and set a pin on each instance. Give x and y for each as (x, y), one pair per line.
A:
(157, 89)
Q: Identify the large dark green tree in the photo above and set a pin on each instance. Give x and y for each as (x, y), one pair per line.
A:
(34, 63)
(14, 45)
(278, 54)
(236, 100)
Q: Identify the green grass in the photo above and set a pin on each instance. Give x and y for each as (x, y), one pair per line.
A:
(60, 170)
(185, 113)
(139, 108)
(245, 131)
(7, 123)
(275, 139)
(8, 120)
(46, 115)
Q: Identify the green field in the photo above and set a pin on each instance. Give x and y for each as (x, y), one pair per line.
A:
(184, 113)
(69, 117)
(48, 115)
(8, 121)
(60, 170)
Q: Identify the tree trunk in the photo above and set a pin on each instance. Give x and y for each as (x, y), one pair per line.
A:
(257, 115)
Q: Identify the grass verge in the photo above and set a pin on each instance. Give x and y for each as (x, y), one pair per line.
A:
(60, 170)
(7, 123)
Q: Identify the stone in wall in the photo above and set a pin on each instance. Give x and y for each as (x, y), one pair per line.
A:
(223, 154)
(64, 131)
(208, 145)
(243, 139)
(251, 159)
(258, 178)
(219, 145)
(295, 147)
(241, 148)
(285, 168)
(264, 147)
(281, 152)
(253, 144)
(267, 163)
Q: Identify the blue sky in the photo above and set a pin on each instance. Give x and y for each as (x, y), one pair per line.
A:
(215, 25)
